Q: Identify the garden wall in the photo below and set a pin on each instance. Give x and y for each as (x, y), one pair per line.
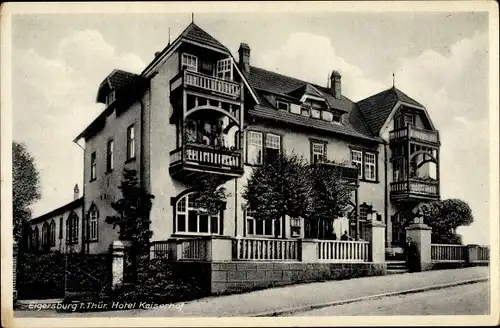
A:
(231, 277)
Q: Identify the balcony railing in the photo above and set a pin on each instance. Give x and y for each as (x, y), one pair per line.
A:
(346, 172)
(199, 157)
(415, 187)
(205, 82)
(414, 133)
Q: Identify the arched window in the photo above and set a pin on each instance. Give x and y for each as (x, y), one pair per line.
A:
(52, 233)
(45, 234)
(93, 224)
(36, 240)
(191, 218)
(72, 228)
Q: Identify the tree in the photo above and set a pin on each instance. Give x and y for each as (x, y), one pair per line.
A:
(329, 194)
(211, 195)
(25, 188)
(133, 211)
(444, 217)
(278, 188)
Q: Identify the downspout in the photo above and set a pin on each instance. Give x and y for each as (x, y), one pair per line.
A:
(386, 190)
(235, 207)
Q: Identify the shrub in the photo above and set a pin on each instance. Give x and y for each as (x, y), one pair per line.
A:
(40, 275)
(162, 282)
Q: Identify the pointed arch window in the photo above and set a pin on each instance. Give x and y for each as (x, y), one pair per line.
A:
(35, 238)
(45, 234)
(72, 228)
(52, 233)
(191, 218)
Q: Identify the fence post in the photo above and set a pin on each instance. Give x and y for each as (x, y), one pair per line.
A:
(118, 266)
(471, 254)
(14, 270)
(376, 237)
(219, 249)
(309, 250)
(420, 233)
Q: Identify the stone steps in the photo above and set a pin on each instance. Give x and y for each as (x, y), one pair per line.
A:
(396, 267)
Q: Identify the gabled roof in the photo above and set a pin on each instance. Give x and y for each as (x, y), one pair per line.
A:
(58, 211)
(377, 108)
(194, 33)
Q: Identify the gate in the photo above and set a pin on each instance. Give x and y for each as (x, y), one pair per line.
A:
(86, 274)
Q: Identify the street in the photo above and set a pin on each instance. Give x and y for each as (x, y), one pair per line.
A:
(472, 299)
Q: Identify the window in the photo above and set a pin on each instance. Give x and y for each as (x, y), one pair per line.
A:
(366, 162)
(336, 118)
(403, 120)
(72, 228)
(254, 151)
(130, 142)
(93, 165)
(52, 234)
(370, 166)
(45, 234)
(282, 105)
(109, 156)
(110, 98)
(35, 238)
(273, 147)
(225, 69)
(408, 119)
(61, 227)
(318, 152)
(305, 110)
(315, 113)
(269, 228)
(93, 215)
(357, 159)
(190, 62)
(260, 150)
(193, 219)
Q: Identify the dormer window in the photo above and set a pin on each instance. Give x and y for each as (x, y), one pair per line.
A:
(316, 113)
(282, 105)
(189, 62)
(110, 98)
(305, 110)
(336, 118)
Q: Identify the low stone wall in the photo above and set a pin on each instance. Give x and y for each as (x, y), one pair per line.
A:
(234, 276)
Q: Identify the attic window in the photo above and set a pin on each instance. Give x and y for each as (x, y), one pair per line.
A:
(336, 118)
(110, 98)
(315, 113)
(190, 62)
(282, 105)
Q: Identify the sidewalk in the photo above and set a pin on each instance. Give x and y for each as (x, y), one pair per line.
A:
(304, 295)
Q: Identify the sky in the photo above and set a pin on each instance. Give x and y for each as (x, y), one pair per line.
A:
(439, 59)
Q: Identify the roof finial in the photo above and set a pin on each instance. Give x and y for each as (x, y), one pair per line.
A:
(192, 17)
(393, 80)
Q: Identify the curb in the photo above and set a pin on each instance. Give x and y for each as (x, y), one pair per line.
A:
(365, 298)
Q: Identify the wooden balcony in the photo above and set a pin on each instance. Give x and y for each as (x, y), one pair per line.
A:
(193, 161)
(205, 83)
(414, 189)
(414, 134)
(350, 174)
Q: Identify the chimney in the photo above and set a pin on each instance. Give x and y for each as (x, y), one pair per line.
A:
(244, 60)
(335, 85)
(76, 192)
